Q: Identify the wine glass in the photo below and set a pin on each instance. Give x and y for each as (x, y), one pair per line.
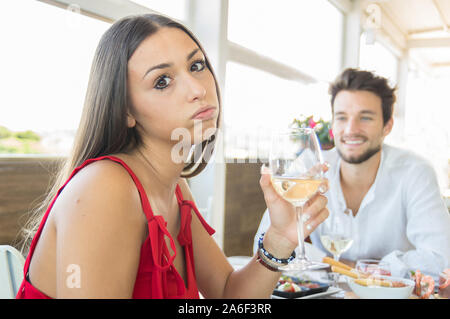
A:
(373, 267)
(295, 162)
(338, 233)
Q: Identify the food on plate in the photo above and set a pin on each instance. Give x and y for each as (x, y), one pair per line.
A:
(444, 279)
(289, 287)
(332, 262)
(444, 284)
(379, 282)
(296, 283)
(350, 273)
(293, 287)
(382, 287)
(424, 285)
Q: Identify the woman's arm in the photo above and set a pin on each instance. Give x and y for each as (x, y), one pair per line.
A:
(100, 227)
(215, 275)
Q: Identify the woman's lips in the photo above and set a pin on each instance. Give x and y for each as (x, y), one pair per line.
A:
(205, 113)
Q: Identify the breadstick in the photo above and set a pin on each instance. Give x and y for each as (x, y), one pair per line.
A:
(344, 271)
(333, 262)
(373, 282)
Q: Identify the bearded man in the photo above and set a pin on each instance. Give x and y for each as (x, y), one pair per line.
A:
(390, 194)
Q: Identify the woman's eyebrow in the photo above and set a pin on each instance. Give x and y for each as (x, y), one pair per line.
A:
(190, 55)
(167, 65)
(159, 66)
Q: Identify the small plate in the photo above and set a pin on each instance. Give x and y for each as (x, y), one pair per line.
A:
(330, 291)
(304, 292)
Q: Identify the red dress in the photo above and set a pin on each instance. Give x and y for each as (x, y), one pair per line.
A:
(156, 276)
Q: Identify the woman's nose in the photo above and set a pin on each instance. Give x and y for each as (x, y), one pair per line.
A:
(195, 89)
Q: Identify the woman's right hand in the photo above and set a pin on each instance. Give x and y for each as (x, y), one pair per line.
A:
(283, 215)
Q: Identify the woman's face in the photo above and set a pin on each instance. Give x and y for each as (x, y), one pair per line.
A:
(171, 88)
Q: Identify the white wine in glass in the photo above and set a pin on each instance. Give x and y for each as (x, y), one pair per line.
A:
(296, 162)
(296, 190)
(338, 233)
(336, 244)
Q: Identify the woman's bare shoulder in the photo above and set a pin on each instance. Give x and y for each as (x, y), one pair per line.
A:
(100, 226)
(102, 189)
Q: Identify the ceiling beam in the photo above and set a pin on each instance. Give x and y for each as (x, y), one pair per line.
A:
(240, 54)
(390, 26)
(440, 64)
(441, 15)
(343, 5)
(424, 30)
(428, 43)
(106, 10)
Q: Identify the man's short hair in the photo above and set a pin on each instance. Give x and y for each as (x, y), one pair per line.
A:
(358, 80)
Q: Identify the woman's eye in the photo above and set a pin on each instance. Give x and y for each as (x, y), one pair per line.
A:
(198, 66)
(162, 82)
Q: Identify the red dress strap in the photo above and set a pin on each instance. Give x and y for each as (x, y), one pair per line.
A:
(191, 205)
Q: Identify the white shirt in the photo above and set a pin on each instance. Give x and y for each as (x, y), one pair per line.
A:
(402, 219)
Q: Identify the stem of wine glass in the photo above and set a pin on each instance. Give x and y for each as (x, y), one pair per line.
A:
(301, 236)
(336, 257)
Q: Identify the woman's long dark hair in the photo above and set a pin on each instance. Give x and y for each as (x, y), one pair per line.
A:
(103, 128)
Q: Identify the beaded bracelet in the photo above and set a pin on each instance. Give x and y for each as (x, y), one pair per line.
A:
(266, 264)
(269, 259)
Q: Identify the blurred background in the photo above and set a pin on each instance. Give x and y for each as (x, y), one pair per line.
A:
(274, 60)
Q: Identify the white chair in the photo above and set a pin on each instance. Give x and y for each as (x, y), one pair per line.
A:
(11, 271)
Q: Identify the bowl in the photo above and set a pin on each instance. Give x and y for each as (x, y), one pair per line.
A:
(378, 292)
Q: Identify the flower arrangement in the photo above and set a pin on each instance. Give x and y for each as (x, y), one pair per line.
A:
(321, 127)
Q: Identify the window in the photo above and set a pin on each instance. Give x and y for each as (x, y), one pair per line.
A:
(377, 58)
(292, 32)
(256, 101)
(303, 36)
(426, 121)
(45, 69)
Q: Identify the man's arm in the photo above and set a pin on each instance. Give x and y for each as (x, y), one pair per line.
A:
(428, 226)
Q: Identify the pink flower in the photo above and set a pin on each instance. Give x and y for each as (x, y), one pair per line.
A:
(330, 132)
(311, 123)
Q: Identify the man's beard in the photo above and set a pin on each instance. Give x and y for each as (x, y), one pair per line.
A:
(362, 158)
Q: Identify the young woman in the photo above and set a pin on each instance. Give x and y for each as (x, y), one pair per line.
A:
(121, 221)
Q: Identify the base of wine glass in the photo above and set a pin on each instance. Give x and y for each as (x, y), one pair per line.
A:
(302, 265)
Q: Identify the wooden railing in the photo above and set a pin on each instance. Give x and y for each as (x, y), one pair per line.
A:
(24, 181)
(244, 207)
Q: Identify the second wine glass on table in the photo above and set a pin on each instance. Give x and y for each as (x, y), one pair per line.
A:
(296, 163)
(338, 233)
